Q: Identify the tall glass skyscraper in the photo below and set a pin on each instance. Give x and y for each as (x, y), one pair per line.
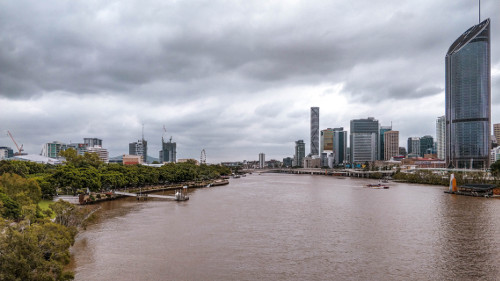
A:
(339, 145)
(314, 130)
(300, 153)
(468, 99)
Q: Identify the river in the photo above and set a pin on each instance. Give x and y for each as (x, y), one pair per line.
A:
(295, 227)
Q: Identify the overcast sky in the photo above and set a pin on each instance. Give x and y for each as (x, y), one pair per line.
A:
(234, 77)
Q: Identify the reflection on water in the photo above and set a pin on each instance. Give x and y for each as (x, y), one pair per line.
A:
(295, 227)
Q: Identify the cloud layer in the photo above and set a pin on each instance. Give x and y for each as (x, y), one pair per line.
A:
(235, 78)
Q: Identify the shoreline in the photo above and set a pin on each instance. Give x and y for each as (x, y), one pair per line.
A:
(98, 197)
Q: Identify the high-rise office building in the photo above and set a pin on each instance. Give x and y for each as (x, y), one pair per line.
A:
(52, 149)
(339, 146)
(91, 142)
(314, 130)
(287, 162)
(413, 147)
(402, 151)
(468, 99)
(139, 148)
(383, 129)
(391, 144)
(101, 152)
(496, 132)
(364, 140)
(262, 160)
(300, 153)
(6, 152)
(326, 140)
(168, 152)
(426, 145)
(440, 137)
(80, 148)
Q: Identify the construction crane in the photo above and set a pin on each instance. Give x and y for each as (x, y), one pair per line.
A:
(19, 149)
(164, 132)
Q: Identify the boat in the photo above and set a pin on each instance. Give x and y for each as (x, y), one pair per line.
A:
(377, 186)
(181, 194)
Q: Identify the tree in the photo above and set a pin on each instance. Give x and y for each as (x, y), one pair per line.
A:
(38, 252)
(85, 160)
(22, 190)
(495, 170)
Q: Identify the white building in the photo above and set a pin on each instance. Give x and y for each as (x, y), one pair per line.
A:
(101, 152)
(262, 160)
(495, 154)
(440, 137)
(52, 149)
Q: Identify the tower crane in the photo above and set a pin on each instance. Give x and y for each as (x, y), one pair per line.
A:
(19, 149)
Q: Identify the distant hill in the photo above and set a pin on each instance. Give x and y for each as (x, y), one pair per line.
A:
(151, 159)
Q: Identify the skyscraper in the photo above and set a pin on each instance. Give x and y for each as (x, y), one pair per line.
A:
(91, 142)
(391, 143)
(413, 147)
(440, 137)
(300, 153)
(383, 129)
(468, 99)
(326, 140)
(262, 160)
(426, 145)
(339, 145)
(314, 130)
(168, 152)
(139, 148)
(364, 140)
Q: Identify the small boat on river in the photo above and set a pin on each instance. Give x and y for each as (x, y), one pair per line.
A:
(181, 194)
(377, 186)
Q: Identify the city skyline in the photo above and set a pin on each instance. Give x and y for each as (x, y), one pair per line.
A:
(82, 70)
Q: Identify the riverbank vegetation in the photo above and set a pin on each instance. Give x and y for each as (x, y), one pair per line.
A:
(35, 241)
(82, 172)
(32, 246)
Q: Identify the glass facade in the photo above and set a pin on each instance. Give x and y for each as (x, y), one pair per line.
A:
(364, 140)
(300, 153)
(468, 99)
(339, 145)
(139, 148)
(383, 129)
(314, 130)
(169, 151)
(426, 145)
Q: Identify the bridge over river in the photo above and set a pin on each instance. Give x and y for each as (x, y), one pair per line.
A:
(317, 171)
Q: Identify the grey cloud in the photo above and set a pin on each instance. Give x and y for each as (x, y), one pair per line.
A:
(210, 55)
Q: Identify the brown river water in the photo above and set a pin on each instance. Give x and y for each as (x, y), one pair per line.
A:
(295, 227)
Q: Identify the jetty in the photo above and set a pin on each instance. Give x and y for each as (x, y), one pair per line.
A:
(141, 196)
